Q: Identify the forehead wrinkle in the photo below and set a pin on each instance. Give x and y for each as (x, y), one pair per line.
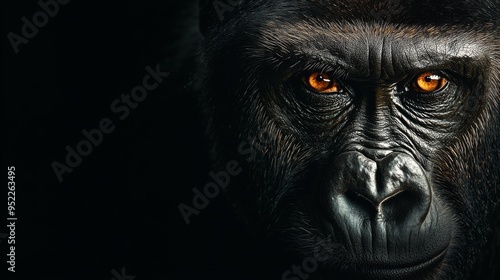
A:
(415, 47)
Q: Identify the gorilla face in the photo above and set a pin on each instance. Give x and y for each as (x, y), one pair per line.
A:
(382, 137)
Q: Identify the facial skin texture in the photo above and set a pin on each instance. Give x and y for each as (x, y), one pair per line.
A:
(397, 163)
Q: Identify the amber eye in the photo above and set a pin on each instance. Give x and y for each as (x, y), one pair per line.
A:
(322, 83)
(428, 82)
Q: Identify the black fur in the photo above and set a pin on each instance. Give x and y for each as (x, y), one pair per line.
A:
(246, 67)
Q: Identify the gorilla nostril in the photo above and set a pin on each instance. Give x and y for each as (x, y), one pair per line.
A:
(360, 201)
(396, 207)
(401, 205)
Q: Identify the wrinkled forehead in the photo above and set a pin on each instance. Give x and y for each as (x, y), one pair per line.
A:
(350, 35)
(368, 50)
(353, 26)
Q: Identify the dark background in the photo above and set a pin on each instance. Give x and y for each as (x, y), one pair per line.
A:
(119, 207)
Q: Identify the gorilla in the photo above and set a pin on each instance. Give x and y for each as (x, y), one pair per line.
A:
(371, 125)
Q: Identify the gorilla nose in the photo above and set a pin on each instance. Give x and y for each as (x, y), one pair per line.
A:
(392, 188)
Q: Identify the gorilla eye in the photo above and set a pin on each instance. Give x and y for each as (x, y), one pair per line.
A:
(428, 82)
(322, 83)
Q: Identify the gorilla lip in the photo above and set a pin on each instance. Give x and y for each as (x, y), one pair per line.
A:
(387, 269)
